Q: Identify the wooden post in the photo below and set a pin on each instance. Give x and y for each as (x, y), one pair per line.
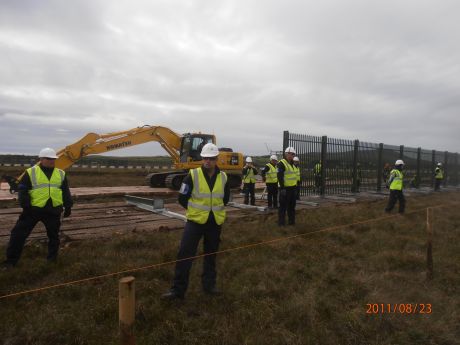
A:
(126, 310)
(429, 244)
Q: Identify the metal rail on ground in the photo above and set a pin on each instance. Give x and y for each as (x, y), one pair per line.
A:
(153, 205)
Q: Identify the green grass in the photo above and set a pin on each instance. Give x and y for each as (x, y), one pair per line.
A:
(308, 290)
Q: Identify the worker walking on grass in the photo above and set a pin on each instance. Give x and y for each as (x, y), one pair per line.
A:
(438, 177)
(270, 177)
(395, 183)
(287, 180)
(43, 194)
(296, 162)
(203, 193)
(249, 181)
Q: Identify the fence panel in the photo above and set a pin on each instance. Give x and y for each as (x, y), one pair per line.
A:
(353, 166)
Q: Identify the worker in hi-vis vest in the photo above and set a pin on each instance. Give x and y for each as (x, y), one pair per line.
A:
(43, 193)
(287, 181)
(317, 171)
(269, 175)
(249, 181)
(395, 183)
(204, 193)
(438, 177)
(296, 162)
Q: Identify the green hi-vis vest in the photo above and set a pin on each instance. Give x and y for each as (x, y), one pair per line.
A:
(271, 176)
(43, 189)
(203, 200)
(249, 177)
(397, 183)
(297, 172)
(290, 175)
(439, 174)
(317, 169)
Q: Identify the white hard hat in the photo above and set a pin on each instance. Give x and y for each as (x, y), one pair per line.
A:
(439, 164)
(47, 153)
(296, 159)
(248, 160)
(289, 149)
(273, 158)
(209, 150)
(399, 162)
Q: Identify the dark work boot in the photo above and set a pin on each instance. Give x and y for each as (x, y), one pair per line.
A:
(213, 291)
(171, 295)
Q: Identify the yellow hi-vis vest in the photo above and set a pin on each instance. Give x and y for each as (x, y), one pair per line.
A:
(290, 175)
(397, 183)
(439, 174)
(271, 176)
(43, 189)
(203, 200)
(249, 177)
(297, 172)
(317, 169)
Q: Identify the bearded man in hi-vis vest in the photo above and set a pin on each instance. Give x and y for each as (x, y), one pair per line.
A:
(204, 194)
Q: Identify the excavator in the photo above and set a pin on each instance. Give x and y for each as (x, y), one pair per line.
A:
(184, 150)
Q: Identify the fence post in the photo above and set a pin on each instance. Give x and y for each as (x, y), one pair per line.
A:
(126, 310)
(379, 168)
(285, 140)
(419, 162)
(433, 165)
(354, 187)
(323, 164)
(429, 244)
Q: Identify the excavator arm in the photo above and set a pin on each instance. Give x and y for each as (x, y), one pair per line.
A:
(93, 143)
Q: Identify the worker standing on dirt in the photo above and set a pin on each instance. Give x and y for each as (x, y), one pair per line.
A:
(203, 193)
(438, 177)
(287, 180)
(395, 183)
(270, 177)
(317, 171)
(43, 193)
(296, 162)
(249, 181)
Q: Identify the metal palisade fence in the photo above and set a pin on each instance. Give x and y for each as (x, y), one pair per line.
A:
(337, 166)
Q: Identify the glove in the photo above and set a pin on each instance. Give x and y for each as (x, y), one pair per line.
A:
(67, 212)
(283, 193)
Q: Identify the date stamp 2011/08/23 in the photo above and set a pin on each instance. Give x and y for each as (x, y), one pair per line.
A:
(398, 308)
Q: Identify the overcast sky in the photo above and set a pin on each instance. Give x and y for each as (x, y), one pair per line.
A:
(379, 71)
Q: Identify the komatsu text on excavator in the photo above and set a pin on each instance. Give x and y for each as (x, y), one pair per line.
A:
(184, 150)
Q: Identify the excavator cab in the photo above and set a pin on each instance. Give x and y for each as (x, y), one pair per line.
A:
(191, 146)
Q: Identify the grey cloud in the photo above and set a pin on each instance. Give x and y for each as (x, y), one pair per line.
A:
(245, 70)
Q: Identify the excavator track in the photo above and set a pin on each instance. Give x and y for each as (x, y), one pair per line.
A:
(174, 181)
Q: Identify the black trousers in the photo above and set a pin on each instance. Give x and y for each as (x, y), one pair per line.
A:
(272, 194)
(317, 183)
(396, 195)
(437, 184)
(248, 190)
(188, 247)
(23, 228)
(287, 205)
